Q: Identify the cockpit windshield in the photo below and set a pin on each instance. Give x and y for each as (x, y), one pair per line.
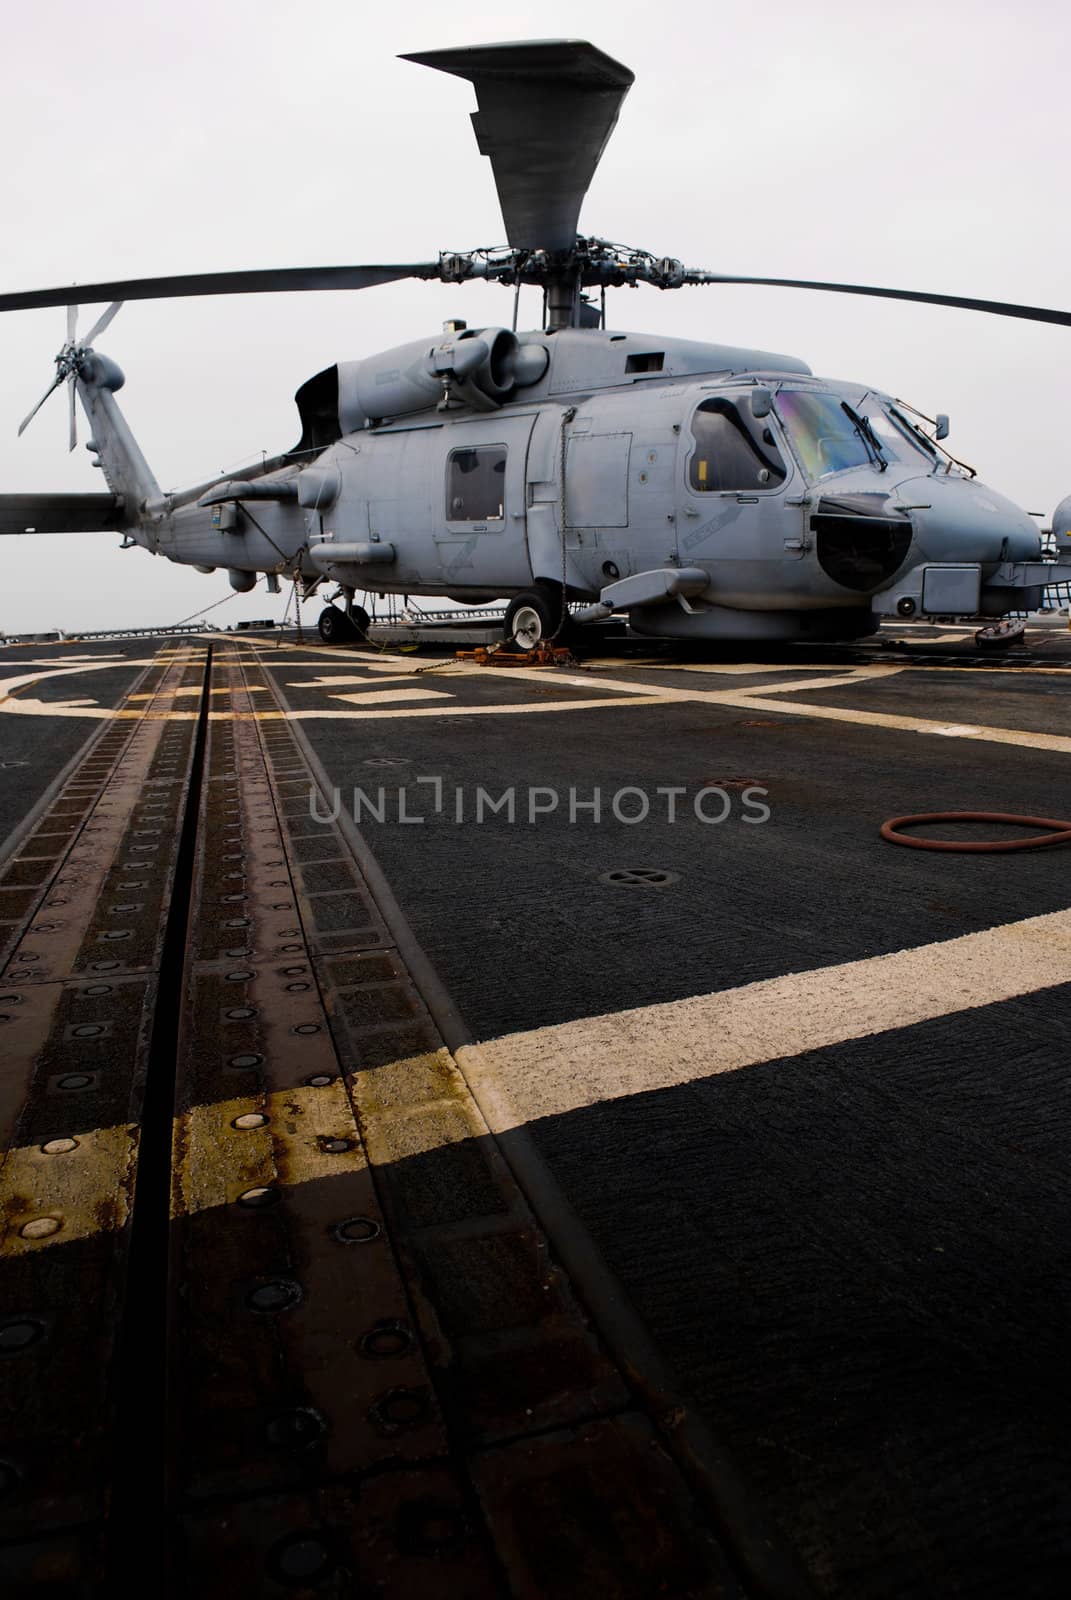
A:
(825, 437)
(831, 435)
(896, 434)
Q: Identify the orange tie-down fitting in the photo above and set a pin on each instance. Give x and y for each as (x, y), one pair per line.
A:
(544, 655)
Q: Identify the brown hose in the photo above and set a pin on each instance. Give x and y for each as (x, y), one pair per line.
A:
(1060, 832)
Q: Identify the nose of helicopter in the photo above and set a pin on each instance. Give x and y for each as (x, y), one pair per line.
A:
(965, 521)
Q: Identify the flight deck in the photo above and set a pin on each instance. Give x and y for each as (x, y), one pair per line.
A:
(521, 1131)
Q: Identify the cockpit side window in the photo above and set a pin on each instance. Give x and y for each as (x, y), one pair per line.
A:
(730, 455)
(475, 484)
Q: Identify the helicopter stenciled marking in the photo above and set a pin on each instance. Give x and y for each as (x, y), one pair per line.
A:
(716, 524)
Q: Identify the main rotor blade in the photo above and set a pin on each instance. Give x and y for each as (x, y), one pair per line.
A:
(25, 423)
(270, 280)
(72, 416)
(999, 308)
(103, 321)
(547, 108)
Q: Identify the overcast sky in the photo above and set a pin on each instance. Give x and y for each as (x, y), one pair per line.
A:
(912, 145)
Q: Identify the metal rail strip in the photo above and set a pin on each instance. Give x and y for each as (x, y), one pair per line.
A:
(87, 892)
(384, 1381)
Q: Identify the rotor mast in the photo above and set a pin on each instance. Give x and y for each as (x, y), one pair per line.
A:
(561, 300)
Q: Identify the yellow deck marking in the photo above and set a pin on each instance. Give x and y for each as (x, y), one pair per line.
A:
(570, 1065)
(194, 690)
(7, 685)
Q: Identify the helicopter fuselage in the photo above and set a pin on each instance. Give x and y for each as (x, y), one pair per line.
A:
(704, 490)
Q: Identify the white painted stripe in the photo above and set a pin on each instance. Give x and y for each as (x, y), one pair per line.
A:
(343, 680)
(1058, 742)
(571, 1065)
(485, 711)
(372, 697)
(840, 680)
(752, 699)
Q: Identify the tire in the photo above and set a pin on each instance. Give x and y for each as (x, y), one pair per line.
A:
(359, 622)
(335, 627)
(338, 628)
(531, 620)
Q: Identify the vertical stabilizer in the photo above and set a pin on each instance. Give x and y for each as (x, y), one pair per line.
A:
(114, 447)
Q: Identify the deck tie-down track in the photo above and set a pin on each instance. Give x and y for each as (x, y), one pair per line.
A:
(378, 1378)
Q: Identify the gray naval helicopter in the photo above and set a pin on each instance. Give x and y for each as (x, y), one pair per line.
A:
(703, 491)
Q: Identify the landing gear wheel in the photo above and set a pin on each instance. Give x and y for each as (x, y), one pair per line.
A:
(338, 628)
(531, 620)
(359, 622)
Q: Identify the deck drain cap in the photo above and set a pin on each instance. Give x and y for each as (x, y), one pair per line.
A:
(19, 1334)
(296, 1429)
(385, 1340)
(639, 877)
(398, 1409)
(300, 1560)
(357, 1230)
(279, 1294)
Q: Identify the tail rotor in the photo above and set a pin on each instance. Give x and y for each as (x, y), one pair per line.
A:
(69, 364)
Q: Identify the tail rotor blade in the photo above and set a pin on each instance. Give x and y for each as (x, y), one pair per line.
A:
(72, 415)
(72, 323)
(25, 423)
(102, 322)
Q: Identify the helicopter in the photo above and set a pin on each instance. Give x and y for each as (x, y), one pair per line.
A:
(702, 491)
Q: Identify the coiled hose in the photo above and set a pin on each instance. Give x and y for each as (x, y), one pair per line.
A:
(1059, 832)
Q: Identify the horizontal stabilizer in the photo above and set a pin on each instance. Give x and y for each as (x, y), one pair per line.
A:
(61, 513)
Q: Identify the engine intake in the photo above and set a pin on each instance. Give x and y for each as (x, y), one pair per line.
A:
(480, 367)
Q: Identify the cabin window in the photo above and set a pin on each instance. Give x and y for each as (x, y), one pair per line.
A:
(475, 484)
(729, 454)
